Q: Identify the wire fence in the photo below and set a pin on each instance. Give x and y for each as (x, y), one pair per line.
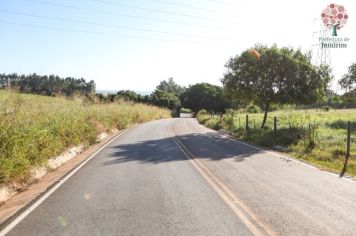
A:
(332, 133)
(290, 121)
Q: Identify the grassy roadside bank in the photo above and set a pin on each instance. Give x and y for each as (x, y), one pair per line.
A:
(323, 144)
(35, 128)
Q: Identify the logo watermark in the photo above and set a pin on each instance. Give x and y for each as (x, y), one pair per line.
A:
(334, 18)
(333, 42)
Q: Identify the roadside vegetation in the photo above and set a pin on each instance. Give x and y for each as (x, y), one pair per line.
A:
(314, 136)
(34, 128)
(51, 85)
(268, 82)
(185, 110)
(262, 81)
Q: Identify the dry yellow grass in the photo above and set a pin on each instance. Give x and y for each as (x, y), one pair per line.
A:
(34, 128)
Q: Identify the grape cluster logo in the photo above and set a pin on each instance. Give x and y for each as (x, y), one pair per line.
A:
(334, 17)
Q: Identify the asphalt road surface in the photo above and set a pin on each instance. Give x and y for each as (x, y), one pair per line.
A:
(176, 177)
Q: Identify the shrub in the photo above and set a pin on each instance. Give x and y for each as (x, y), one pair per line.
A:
(228, 119)
(253, 109)
(326, 108)
(202, 112)
(185, 110)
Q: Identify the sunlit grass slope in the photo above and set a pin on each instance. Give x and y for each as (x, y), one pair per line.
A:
(35, 128)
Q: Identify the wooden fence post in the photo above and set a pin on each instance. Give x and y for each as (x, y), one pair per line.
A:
(348, 146)
(247, 122)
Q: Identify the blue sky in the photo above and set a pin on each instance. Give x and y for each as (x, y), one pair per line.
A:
(135, 44)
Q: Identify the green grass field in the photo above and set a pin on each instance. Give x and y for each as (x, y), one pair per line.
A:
(323, 144)
(34, 128)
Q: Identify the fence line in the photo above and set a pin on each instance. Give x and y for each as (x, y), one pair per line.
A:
(305, 123)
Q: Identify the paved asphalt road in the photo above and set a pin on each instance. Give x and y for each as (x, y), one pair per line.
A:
(143, 184)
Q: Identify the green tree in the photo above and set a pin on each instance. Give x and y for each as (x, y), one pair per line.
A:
(349, 97)
(332, 97)
(279, 76)
(205, 96)
(46, 85)
(167, 94)
(348, 81)
(129, 95)
(170, 86)
(165, 99)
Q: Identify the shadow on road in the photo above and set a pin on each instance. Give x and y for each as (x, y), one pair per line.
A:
(208, 146)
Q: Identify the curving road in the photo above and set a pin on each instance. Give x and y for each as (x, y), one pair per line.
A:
(176, 177)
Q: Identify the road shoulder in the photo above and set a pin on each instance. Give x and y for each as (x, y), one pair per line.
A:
(21, 201)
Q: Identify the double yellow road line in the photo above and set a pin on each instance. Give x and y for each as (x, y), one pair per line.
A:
(241, 210)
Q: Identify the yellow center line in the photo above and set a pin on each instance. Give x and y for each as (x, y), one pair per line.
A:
(224, 192)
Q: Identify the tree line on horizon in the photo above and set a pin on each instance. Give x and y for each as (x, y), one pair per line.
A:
(51, 85)
(272, 77)
(173, 96)
(260, 78)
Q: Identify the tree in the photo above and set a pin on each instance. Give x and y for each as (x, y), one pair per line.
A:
(165, 99)
(167, 94)
(348, 81)
(205, 96)
(331, 97)
(46, 85)
(129, 95)
(170, 86)
(349, 97)
(279, 76)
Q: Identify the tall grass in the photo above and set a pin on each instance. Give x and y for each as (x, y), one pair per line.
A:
(323, 143)
(35, 128)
